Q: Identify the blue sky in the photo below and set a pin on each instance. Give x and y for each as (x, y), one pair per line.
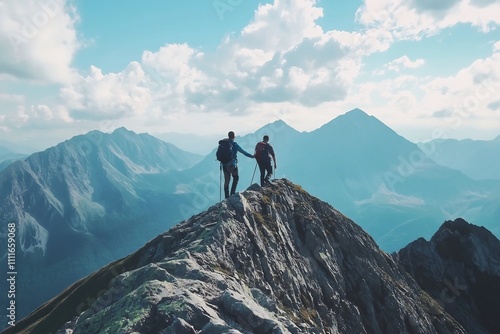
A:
(427, 69)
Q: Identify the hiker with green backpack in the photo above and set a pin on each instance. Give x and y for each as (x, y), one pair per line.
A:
(263, 153)
(227, 155)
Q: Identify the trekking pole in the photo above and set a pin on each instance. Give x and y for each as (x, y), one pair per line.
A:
(220, 194)
(220, 182)
(253, 173)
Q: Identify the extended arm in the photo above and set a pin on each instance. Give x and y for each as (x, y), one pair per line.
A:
(238, 147)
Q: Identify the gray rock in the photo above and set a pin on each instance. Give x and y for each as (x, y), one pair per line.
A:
(460, 268)
(179, 326)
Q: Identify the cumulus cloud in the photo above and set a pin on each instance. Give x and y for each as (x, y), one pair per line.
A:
(281, 56)
(467, 95)
(38, 40)
(171, 60)
(34, 117)
(404, 62)
(108, 96)
(470, 95)
(296, 62)
(180, 72)
(496, 47)
(310, 73)
(284, 24)
(414, 19)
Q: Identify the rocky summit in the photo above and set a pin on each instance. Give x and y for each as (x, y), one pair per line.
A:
(267, 260)
(460, 268)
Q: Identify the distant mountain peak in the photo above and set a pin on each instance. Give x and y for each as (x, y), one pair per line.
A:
(276, 127)
(358, 116)
(357, 126)
(123, 130)
(355, 117)
(357, 113)
(280, 122)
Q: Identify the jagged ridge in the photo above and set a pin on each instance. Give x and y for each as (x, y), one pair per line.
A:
(272, 260)
(460, 268)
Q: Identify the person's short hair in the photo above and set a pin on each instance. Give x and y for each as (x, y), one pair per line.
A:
(230, 134)
(266, 138)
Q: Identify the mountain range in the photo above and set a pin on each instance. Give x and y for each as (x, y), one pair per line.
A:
(386, 183)
(189, 142)
(98, 197)
(86, 202)
(278, 260)
(478, 159)
(7, 157)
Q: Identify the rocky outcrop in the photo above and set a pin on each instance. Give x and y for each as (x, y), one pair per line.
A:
(268, 260)
(460, 268)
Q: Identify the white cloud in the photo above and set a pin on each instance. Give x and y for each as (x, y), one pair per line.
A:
(284, 56)
(34, 117)
(108, 96)
(496, 47)
(404, 62)
(294, 62)
(38, 40)
(12, 98)
(176, 68)
(172, 59)
(467, 95)
(414, 19)
(42, 112)
(284, 24)
(465, 101)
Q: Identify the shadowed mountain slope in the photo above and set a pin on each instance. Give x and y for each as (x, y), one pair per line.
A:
(460, 267)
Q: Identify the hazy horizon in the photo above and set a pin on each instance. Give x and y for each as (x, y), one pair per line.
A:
(198, 137)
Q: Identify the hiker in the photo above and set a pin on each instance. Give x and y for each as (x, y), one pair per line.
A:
(227, 155)
(263, 152)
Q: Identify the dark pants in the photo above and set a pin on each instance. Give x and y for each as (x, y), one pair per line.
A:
(229, 171)
(265, 166)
